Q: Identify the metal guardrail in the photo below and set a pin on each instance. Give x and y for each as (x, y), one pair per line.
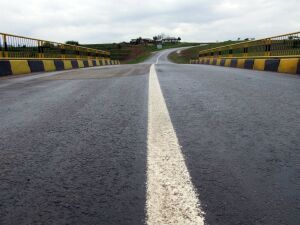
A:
(287, 45)
(13, 46)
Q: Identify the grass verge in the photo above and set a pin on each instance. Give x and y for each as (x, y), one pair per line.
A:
(184, 56)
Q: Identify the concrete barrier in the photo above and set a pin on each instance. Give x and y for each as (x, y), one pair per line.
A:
(68, 65)
(289, 66)
(234, 63)
(241, 63)
(36, 66)
(227, 62)
(80, 63)
(74, 64)
(19, 67)
(90, 63)
(26, 66)
(49, 65)
(281, 65)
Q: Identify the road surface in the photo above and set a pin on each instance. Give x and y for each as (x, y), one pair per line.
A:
(153, 143)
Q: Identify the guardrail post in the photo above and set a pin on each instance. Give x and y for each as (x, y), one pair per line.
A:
(246, 52)
(5, 53)
(1, 48)
(77, 53)
(230, 52)
(40, 49)
(268, 47)
(62, 51)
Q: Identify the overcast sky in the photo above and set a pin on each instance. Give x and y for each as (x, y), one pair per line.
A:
(106, 21)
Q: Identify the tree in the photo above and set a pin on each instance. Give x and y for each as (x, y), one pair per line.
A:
(161, 36)
(179, 39)
(139, 40)
(72, 43)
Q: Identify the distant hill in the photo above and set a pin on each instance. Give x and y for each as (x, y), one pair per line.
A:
(127, 53)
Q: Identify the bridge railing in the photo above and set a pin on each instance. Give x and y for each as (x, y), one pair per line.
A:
(287, 45)
(13, 46)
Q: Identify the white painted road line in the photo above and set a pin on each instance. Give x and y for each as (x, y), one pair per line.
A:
(171, 197)
(157, 60)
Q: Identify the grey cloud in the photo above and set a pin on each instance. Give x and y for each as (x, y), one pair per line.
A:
(96, 21)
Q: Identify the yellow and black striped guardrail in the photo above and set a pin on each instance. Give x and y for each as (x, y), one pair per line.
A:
(277, 54)
(22, 55)
(25, 66)
(281, 65)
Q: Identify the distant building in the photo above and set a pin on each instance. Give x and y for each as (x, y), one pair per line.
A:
(139, 41)
(171, 40)
(148, 40)
(133, 41)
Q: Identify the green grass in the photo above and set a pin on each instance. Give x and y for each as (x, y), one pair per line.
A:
(186, 55)
(104, 47)
(139, 59)
(148, 50)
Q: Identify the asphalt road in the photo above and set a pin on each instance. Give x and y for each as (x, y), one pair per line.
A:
(75, 145)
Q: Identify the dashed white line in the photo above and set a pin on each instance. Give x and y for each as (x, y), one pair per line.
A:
(171, 197)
